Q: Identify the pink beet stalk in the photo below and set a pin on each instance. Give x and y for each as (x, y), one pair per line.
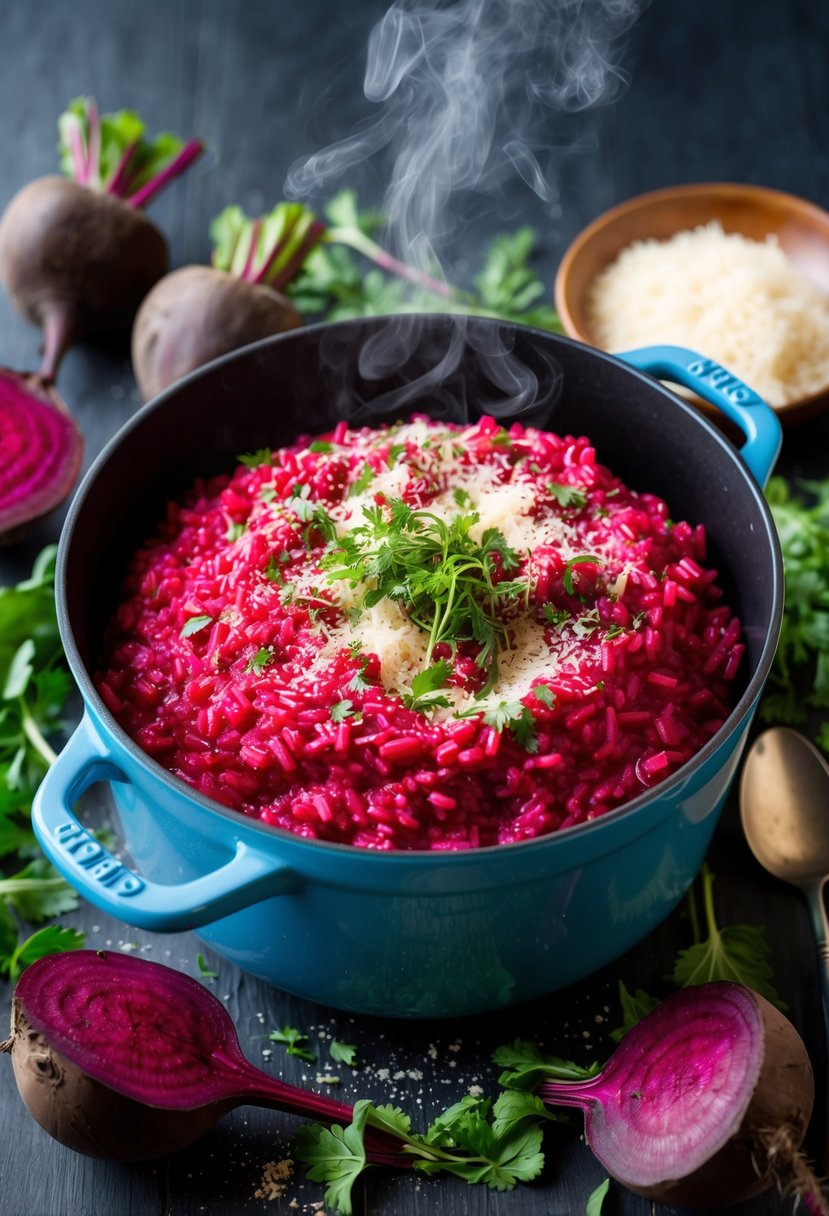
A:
(191, 151)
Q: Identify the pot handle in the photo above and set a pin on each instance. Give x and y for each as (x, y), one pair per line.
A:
(249, 876)
(711, 381)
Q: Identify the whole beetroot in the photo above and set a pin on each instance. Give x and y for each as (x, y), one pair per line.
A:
(77, 254)
(198, 313)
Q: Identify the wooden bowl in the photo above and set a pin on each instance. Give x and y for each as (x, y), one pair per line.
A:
(801, 228)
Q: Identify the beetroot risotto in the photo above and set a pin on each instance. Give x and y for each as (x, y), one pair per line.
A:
(422, 636)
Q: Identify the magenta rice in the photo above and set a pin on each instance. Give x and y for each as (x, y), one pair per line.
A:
(421, 636)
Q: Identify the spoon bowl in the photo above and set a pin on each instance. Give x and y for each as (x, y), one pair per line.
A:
(784, 805)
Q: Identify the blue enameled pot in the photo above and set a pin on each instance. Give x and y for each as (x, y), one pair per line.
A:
(409, 934)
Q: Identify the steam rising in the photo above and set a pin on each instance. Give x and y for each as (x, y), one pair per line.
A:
(469, 93)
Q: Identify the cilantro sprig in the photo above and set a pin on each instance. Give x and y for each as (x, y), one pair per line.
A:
(293, 1041)
(448, 583)
(496, 1147)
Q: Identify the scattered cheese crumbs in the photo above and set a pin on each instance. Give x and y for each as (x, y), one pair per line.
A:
(275, 1178)
(474, 1091)
(328, 1079)
(738, 301)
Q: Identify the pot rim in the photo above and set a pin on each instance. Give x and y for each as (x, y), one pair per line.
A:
(176, 785)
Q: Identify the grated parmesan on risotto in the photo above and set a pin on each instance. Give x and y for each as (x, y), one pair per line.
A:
(738, 301)
(422, 636)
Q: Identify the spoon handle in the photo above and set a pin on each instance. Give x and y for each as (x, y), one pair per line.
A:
(820, 925)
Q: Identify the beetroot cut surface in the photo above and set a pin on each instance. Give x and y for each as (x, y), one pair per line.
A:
(40, 451)
(150, 1033)
(686, 1107)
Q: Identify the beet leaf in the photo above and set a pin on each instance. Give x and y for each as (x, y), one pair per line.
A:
(734, 952)
(110, 152)
(270, 249)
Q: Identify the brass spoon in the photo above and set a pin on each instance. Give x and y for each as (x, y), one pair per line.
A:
(784, 805)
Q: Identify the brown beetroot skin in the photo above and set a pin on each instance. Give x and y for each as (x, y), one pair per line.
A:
(783, 1099)
(196, 314)
(87, 1116)
(70, 249)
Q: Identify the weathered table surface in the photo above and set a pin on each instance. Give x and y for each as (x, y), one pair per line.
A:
(718, 91)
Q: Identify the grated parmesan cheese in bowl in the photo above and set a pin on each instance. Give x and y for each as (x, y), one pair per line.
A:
(741, 302)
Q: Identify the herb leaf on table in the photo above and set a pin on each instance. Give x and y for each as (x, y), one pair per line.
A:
(34, 687)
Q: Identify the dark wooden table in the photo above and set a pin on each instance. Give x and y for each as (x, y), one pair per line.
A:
(718, 91)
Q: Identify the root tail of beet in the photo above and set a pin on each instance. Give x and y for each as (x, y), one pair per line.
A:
(791, 1171)
(58, 333)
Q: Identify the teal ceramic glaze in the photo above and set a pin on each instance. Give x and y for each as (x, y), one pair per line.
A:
(411, 934)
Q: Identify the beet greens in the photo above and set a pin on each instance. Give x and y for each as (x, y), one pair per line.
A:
(199, 313)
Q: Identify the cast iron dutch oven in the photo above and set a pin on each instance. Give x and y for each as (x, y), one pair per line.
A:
(409, 933)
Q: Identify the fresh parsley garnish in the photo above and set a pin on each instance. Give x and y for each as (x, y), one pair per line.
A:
(581, 559)
(205, 970)
(358, 682)
(425, 692)
(235, 531)
(544, 694)
(312, 514)
(254, 460)
(449, 584)
(567, 496)
(260, 660)
(341, 710)
(557, 617)
(34, 688)
(195, 624)
(320, 445)
(518, 719)
(342, 1053)
(292, 1040)
(363, 481)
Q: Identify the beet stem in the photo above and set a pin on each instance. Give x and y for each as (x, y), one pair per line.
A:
(270, 1092)
(261, 275)
(255, 229)
(311, 239)
(191, 151)
(79, 153)
(370, 249)
(93, 119)
(119, 182)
